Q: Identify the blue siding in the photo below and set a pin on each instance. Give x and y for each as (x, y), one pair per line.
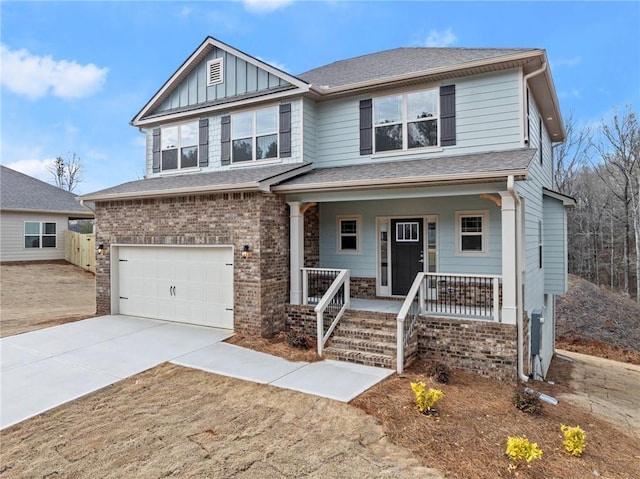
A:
(240, 78)
(555, 246)
(363, 264)
(487, 119)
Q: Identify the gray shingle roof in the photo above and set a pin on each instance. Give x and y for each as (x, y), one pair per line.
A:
(400, 61)
(22, 192)
(239, 179)
(465, 167)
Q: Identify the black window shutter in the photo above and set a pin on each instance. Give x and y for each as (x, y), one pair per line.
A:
(203, 150)
(225, 140)
(366, 127)
(285, 130)
(448, 115)
(156, 150)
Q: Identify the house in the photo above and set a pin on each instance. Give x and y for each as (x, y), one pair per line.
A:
(34, 216)
(419, 176)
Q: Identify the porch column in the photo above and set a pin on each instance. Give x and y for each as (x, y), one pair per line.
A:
(296, 248)
(509, 261)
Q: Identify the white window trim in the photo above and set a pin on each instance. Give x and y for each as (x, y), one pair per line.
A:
(404, 122)
(197, 145)
(484, 233)
(254, 136)
(358, 234)
(40, 234)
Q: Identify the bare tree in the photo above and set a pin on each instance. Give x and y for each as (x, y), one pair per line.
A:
(67, 172)
(570, 156)
(619, 148)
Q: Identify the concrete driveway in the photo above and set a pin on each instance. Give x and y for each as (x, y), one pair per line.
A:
(43, 369)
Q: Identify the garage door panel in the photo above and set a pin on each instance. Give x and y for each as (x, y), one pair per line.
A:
(191, 285)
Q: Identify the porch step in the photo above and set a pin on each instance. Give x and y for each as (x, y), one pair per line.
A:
(364, 337)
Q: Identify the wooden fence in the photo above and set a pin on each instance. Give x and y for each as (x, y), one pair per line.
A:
(80, 249)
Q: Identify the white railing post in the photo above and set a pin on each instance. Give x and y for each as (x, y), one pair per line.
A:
(496, 299)
(320, 330)
(347, 289)
(400, 345)
(305, 286)
(421, 295)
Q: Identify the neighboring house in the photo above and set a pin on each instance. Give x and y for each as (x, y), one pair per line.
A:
(424, 172)
(34, 217)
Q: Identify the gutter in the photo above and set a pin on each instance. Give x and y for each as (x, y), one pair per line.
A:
(519, 295)
(253, 186)
(397, 182)
(525, 83)
(85, 206)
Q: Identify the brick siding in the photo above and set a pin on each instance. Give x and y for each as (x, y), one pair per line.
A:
(261, 283)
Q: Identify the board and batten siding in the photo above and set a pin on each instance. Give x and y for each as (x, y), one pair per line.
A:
(12, 237)
(488, 118)
(555, 246)
(364, 263)
(240, 78)
(297, 126)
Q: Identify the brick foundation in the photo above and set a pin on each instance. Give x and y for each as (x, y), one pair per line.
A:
(485, 348)
(261, 283)
(301, 319)
(363, 288)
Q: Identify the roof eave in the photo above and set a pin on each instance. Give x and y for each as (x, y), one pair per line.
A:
(387, 183)
(425, 74)
(239, 187)
(49, 212)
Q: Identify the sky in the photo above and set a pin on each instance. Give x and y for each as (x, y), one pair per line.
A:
(74, 74)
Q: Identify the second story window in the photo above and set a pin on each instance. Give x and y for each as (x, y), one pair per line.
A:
(254, 135)
(406, 121)
(179, 146)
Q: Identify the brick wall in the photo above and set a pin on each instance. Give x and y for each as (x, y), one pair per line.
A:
(312, 237)
(261, 283)
(363, 288)
(485, 348)
(301, 319)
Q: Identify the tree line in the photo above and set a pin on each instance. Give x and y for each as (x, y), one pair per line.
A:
(599, 166)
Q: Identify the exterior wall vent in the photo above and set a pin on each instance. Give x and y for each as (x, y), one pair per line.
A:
(215, 72)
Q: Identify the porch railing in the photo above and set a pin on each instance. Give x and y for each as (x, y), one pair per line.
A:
(452, 295)
(331, 288)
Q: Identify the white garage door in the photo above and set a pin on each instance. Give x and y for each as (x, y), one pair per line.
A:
(188, 285)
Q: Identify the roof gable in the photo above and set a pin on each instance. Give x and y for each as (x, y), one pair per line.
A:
(244, 78)
(22, 192)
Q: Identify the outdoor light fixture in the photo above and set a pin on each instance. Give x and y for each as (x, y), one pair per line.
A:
(246, 253)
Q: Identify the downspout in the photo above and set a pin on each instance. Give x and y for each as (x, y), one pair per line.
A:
(519, 298)
(85, 206)
(525, 82)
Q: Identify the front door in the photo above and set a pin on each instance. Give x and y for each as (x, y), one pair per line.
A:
(407, 253)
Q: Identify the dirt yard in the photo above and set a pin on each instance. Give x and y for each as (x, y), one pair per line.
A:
(38, 295)
(173, 421)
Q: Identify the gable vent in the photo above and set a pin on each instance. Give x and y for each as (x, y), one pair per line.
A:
(214, 72)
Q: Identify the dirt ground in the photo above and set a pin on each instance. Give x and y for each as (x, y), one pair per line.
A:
(177, 422)
(38, 295)
(174, 421)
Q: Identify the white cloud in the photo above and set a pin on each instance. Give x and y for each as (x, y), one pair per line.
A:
(566, 62)
(574, 93)
(34, 76)
(279, 66)
(440, 39)
(35, 168)
(265, 6)
(185, 12)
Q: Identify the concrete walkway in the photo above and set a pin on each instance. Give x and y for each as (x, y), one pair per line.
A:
(43, 369)
(607, 388)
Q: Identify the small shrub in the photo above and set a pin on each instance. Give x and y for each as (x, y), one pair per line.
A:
(575, 439)
(441, 373)
(527, 400)
(520, 449)
(425, 398)
(297, 340)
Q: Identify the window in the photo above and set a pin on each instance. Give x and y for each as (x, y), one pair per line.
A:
(254, 135)
(407, 232)
(349, 234)
(179, 146)
(39, 234)
(472, 227)
(406, 121)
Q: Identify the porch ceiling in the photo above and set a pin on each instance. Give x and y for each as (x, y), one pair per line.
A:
(461, 169)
